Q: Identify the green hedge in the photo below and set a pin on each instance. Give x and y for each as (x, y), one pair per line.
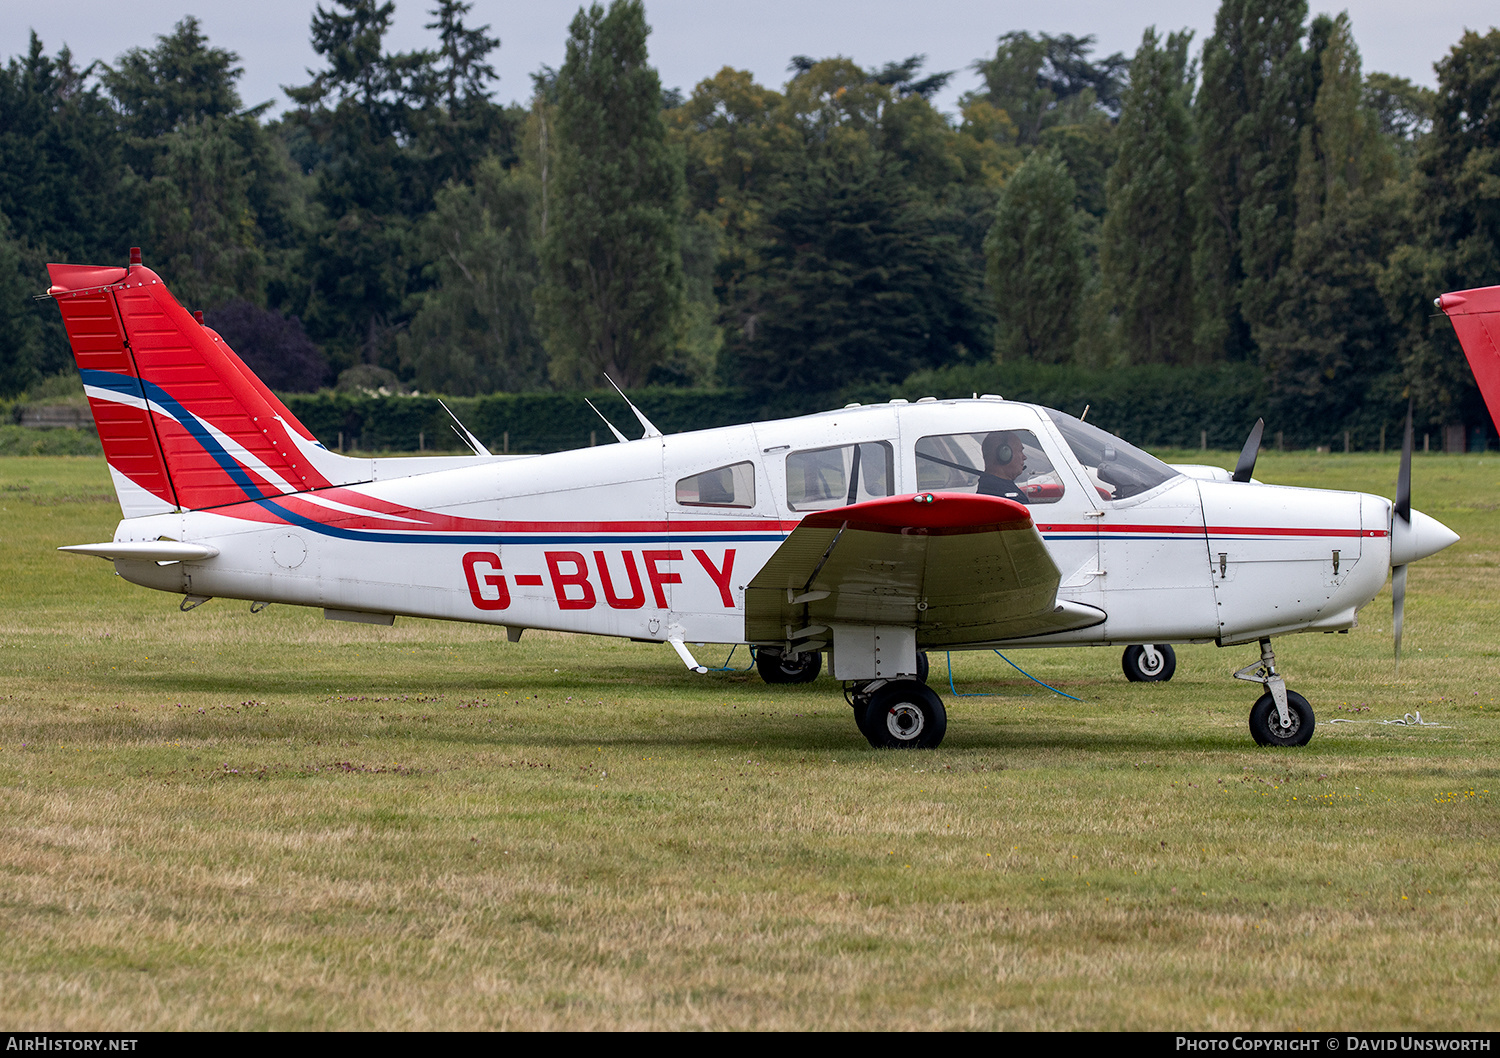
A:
(24, 441)
(1153, 406)
(1171, 407)
(517, 422)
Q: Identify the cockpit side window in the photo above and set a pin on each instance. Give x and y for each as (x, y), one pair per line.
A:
(1119, 470)
(1007, 463)
(823, 478)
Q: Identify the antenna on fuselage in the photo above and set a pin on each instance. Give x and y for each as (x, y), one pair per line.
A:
(618, 435)
(651, 430)
(463, 432)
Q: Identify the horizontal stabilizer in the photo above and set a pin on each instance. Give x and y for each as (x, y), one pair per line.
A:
(145, 551)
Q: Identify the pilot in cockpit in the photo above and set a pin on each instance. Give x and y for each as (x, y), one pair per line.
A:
(1004, 459)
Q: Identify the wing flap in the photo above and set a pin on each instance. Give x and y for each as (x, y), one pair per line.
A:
(958, 568)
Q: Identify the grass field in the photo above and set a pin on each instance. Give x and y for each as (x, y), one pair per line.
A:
(232, 821)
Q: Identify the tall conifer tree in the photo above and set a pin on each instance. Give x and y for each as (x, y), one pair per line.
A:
(1456, 239)
(612, 290)
(1146, 248)
(1035, 263)
(1328, 340)
(1249, 109)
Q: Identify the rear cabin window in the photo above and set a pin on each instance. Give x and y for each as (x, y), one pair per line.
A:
(731, 486)
(1006, 463)
(823, 478)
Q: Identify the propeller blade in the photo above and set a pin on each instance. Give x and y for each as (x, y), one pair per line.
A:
(1398, 608)
(1403, 479)
(1246, 466)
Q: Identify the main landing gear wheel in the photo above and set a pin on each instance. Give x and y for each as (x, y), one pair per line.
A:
(904, 714)
(1266, 727)
(1150, 663)
(923, 667)
(776, 667)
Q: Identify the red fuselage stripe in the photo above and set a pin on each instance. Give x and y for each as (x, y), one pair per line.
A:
(1213, 530)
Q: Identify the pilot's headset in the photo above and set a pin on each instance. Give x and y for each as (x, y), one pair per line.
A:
(1002, 450)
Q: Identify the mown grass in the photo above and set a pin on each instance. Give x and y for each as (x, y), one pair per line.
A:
(219, 820)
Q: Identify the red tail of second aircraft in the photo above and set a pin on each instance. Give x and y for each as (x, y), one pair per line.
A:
(184, 423)
(1476, 320)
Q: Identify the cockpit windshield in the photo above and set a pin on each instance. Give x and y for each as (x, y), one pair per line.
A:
(1117, 469)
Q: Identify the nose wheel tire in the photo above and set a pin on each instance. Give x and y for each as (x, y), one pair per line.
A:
(1152, 663)
(776, 667)
(1266, 727)
(904, 714)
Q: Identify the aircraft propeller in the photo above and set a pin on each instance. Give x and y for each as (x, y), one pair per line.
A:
(1414, 535)
(1246, 466)
(1401, 534)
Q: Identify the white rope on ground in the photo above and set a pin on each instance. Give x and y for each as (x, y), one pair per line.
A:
(1407, 720)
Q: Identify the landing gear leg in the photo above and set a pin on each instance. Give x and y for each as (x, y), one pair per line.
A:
(857, 694)
(1279, 717)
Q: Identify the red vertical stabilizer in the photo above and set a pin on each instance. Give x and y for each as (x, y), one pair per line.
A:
(1476, 319)
(180, 416)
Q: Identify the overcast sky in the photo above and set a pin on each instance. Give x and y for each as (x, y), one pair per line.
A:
(692, 39)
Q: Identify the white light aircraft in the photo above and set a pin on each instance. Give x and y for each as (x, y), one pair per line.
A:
(871, 534)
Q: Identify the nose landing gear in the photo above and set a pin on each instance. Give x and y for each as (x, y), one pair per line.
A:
(1279, 717)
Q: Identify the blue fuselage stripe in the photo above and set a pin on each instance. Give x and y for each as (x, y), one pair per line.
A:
(377, 537)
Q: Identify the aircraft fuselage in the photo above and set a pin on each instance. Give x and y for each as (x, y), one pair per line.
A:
(609, 540)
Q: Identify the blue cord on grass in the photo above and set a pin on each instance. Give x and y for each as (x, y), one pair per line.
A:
(955, 691)
(1012, 664)
(725, 667)
(1033, 679)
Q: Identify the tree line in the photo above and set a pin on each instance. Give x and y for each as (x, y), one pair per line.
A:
(1257, 199)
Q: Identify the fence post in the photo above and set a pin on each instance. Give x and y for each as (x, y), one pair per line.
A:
(505, 444)
(1203, 440)
(1346, 442)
